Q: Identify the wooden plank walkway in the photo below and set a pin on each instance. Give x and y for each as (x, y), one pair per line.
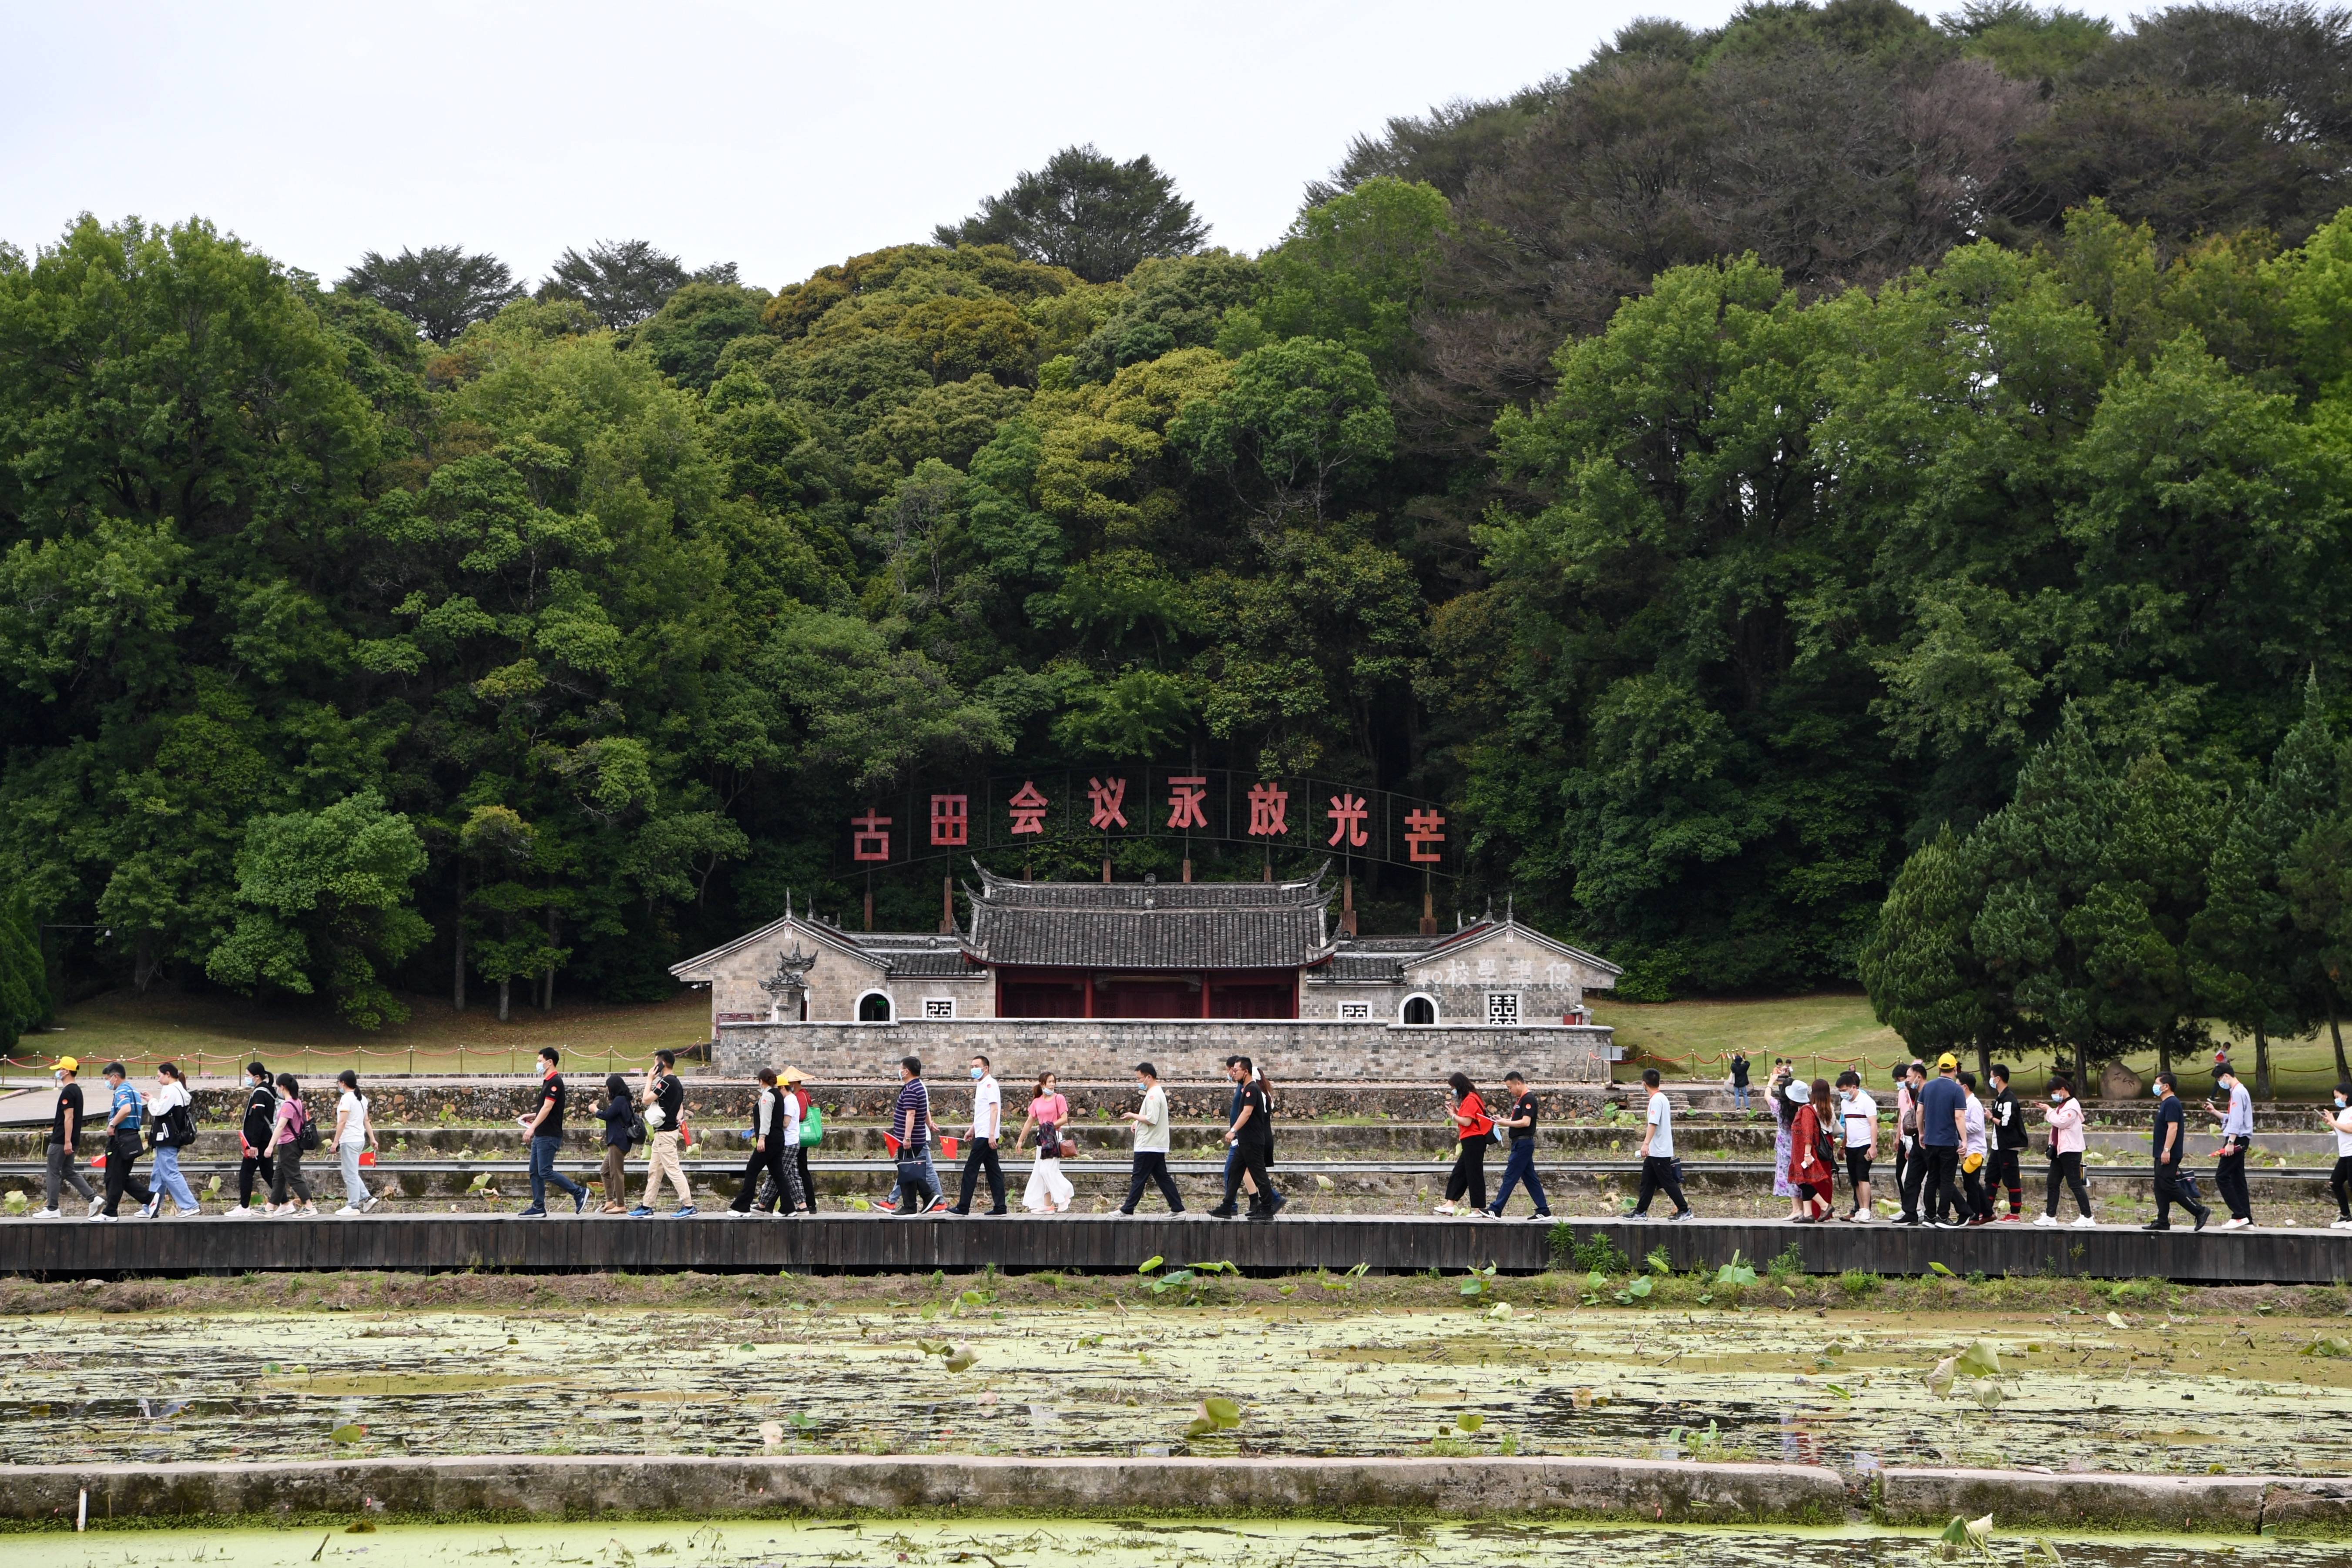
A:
(1108, 1244)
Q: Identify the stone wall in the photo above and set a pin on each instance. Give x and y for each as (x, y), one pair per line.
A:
(1292, 1050)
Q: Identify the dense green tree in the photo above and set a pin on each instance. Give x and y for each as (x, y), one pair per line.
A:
(1919, 967)
(1087, 212)
(625, 281)
(443, 288)
(323, 901)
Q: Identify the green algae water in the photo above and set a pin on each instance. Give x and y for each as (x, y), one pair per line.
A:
(1842, 1388)
(1032, 1544)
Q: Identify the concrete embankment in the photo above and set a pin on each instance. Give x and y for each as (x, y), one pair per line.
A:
(586, 1487)
(574, 1487)
(2229, 1505)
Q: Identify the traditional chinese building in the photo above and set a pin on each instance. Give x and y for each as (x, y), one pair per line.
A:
(1146, 950)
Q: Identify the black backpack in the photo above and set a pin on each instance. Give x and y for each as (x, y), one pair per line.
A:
(307, 1140)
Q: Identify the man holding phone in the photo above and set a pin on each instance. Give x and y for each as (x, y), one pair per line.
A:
(2237, 1137)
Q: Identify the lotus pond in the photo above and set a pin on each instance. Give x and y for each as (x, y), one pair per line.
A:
(978, 1368)
(1030, 1543)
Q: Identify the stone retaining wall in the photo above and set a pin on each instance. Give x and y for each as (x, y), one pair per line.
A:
(585, 1487)
(1192, 1048)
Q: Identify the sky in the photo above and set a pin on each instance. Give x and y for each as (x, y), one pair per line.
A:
(779, 136)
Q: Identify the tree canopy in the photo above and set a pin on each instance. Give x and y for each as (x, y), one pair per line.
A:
(1087, 212)
(1836, 497)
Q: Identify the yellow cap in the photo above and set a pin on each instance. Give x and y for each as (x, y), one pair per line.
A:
(1947, 1059)
(68, 1064)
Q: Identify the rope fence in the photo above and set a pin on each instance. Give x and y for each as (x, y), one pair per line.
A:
(2187, 1065)
(507, 1058)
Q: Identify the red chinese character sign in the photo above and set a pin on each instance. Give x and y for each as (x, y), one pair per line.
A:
(1269, 805)
(1184, 798)
(1027, 809)
(1347, 815)
(1106, 801)
(1421, 832)
(1289, 822)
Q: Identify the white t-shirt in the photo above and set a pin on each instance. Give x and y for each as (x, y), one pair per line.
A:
(353, 1109)
(1662, 1118)
(1860, 1118)
(1151, 1132)
(2336, 1119)
(787, 1118)
(987, 1108)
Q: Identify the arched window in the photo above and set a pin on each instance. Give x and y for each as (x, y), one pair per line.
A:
(874, 1007)
(1419, 1009)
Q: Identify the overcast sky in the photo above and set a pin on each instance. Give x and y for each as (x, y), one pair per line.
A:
(778, 135)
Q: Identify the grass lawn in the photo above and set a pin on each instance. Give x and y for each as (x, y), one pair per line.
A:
(1827, 1031)
(223, 1032)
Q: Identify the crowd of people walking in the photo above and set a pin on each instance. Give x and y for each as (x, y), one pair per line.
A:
(1958, 1145)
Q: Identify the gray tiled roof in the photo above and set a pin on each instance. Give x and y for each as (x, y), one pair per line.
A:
(914, 953)
(1147, 926)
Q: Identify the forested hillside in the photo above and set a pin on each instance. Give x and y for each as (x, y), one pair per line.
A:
(1714, 472)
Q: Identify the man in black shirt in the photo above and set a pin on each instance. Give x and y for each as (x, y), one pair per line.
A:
(545, 1131)
(1519, 1120)
(1251, 1137)
(65, 1131)
(2007, 1119)
(2167, 1144)
(1739, 1080)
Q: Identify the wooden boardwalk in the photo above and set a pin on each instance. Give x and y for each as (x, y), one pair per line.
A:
(1108, 1244)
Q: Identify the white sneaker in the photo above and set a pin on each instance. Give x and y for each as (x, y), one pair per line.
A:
(2344, 1224)
(2047, 1221)
(96, 1204)
(349, 1208)
(371, 1206)
(106, 1218)
(179, 1213)
(2087, 1223)
(1446, 1209)
(1862, 1217)
(2234, 1223)
(45, 1214)
(239, 1212)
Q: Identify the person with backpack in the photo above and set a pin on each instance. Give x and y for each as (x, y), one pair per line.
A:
(544, 1128)
(125, 1111)
(355, 1136)
(1048, 1188)
(623, 1131)
(65, 1137)
(255, 1134)
(665, 1104)
(1472, 1128)
(172, 1125)
(292, 1136)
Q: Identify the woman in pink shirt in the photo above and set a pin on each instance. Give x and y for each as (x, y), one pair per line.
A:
(2064, 1115)
(1048, 1188)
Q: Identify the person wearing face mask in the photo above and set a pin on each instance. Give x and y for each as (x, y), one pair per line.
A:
(255, 1135)
(2170, 1142)
(987, 1126)
(1858, 1120)
(65, 1135)
(2064, 1115)
(2237, 1137)
(2339, 1121)
(1150, 1142)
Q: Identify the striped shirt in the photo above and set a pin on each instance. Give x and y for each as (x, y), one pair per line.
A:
(912, 1120)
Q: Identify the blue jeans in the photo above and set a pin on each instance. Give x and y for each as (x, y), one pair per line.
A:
(168, 1178)
(1520, 1167)
(543, 1171)
(1739, 1096)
